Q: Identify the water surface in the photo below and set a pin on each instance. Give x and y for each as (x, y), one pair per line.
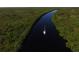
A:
(44, 36)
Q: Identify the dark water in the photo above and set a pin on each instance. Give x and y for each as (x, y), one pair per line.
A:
(44, 37)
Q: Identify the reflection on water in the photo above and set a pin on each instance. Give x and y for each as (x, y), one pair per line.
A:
(44, 37)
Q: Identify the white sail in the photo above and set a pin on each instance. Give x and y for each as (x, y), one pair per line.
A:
(44, 31)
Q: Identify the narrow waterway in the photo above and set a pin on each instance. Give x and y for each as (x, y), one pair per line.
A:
(44, 36)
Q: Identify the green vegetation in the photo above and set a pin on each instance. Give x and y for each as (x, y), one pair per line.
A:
(16, 22)
(67, 22)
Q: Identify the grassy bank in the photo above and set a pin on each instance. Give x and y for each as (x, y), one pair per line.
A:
(67, 22)
(15, 24)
